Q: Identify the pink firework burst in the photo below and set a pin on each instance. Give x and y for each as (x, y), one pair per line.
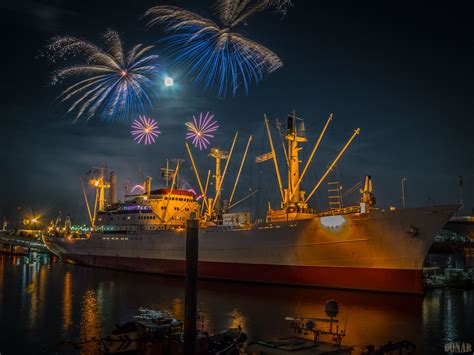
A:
(145, 130)
(200, 130)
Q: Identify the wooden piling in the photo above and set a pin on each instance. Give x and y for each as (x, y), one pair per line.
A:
(190, 300)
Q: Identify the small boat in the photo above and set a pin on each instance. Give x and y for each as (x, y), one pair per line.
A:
(150, 333)
(165, 336)
(458, 278)
(432, 278)
(307, 337)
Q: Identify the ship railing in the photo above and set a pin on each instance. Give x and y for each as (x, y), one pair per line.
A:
(339, 211)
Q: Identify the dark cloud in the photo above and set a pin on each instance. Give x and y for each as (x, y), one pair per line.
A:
(45, 16)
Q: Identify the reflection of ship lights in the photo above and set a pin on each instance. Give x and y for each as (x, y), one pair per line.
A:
(332, 221)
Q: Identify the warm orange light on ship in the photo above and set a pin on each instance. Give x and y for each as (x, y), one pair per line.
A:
(332, 221)
(94, 182)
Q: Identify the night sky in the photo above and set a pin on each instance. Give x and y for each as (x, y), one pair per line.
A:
(400, 71)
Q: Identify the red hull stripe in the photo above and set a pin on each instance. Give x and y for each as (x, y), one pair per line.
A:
(391, 280)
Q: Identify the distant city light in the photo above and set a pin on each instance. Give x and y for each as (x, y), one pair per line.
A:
(168, 81)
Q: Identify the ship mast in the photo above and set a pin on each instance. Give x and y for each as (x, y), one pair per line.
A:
(294, 199)
(99, 184)
(218, 155)
(295, 134)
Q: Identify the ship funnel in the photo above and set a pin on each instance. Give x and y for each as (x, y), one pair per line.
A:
(368, 184)
(367, 194)
(113, 189)
(147, 185)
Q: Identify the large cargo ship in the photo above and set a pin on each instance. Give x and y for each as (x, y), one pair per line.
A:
(357, 247)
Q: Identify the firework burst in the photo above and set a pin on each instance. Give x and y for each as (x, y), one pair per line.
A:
(213, 54)
(145, 130)
(110, 83)
(201, 130)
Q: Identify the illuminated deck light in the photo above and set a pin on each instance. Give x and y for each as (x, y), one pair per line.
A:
(332, 221)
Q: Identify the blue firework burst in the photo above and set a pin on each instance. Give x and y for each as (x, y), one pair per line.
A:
(110, 83)
(214, 55)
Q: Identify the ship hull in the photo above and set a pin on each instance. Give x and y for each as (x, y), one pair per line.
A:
(382, 251)
(387, 280)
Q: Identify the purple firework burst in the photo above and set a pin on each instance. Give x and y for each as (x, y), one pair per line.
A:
(200, 130)
(145, 130)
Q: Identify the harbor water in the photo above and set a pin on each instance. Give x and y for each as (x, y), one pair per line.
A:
(44, 302)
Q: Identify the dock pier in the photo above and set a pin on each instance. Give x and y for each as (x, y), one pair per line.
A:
(9, 243)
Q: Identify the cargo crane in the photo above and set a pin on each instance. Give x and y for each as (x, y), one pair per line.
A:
(214, 208)
(294, 203)
(100, 183)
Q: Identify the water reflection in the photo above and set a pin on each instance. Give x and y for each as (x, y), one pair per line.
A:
(449, 320)
(92, 301)
(237, 319)
(261, 310)
(91, 327)
(42, 286)
(34, 286)
(67, 300)
(30, 277)
(205, 318)
(177, 308)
